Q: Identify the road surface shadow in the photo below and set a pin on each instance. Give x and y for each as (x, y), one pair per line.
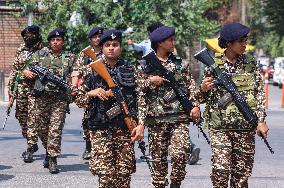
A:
(42, 156)
(74, 167)
(2, 138)
(3, 167)
(6, 177)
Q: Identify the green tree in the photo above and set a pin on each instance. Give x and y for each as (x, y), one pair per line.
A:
(186, 15)
(274, 10)
(266, 20)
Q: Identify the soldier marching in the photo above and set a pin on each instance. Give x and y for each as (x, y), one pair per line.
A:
(150, 98)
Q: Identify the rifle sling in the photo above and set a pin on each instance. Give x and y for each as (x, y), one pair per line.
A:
(19, 75)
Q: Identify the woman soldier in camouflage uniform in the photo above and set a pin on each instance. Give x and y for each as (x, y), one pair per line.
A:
(112, 156)
(167, 122)
(232, 137)
(82, 65)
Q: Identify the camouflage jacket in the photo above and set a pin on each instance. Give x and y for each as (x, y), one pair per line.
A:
(61, 65)
(248, 80)
(152, 108)
(23, 55)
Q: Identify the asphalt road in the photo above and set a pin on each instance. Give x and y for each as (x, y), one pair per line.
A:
(268, 170)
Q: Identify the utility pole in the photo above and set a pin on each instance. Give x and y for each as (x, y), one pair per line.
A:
(243, 11)
(30, 18)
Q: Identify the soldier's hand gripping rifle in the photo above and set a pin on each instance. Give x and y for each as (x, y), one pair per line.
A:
(100, 68)
(224, 80)
(44, 76)
(174, 84)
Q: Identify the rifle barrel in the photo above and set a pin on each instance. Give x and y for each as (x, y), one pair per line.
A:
(4, 124)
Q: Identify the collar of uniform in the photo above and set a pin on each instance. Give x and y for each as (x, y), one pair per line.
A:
(118, 63)
(93, 49)
(167, 61)
(239, 60)
(51, 52)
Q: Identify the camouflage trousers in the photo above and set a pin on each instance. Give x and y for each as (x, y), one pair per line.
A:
(47, 121)
(112, 157)
(22, 113)
(232, 157)
(173, 139)
(23, 104)
(85, 127)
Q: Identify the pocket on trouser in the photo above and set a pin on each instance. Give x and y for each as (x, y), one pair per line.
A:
(102, 158)
(214, 120)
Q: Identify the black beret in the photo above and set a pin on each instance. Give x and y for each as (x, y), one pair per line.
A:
(30, 29)
(234, 31)
(111, 34)
(162, 33)
(95, 31)
(56, 33)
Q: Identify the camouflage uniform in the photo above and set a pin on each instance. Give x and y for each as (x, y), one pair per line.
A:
(167, 122)
(232, 137)
(112, 156)
(23, 55)
(84, 69)
(50, 108)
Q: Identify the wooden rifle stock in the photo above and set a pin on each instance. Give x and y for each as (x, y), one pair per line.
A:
(99, 66)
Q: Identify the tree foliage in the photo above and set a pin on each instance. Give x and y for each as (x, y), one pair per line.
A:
(266, 20)
(186, 15)
(274, 10)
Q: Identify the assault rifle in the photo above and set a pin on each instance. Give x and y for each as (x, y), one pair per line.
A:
(44, 76)
(180, 94)
(224, 80)
(99, 66)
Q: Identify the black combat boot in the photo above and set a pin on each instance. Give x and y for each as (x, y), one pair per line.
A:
(87, 153)
(24, 153)
(53, 165)
(28, 155)
(35, 150)
(175, 185)
(194, 156)
(46, 161)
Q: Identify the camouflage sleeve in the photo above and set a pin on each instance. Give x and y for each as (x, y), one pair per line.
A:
(260, 97)
(78, 67)
(142, 84)
(193, 91)
(82, 98)
(14, 72)
(202, 97)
